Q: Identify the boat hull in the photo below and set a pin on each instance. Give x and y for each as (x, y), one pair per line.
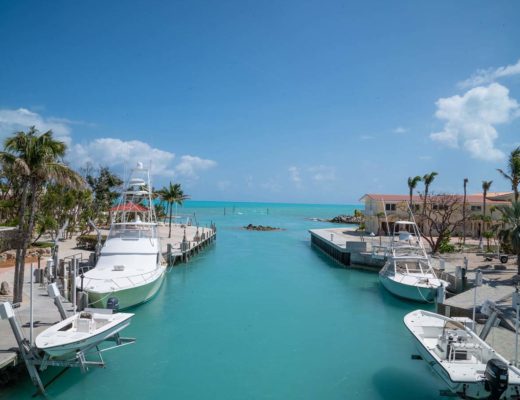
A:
(126, 297)
(473, 386)
(409, 292)
(71, 347)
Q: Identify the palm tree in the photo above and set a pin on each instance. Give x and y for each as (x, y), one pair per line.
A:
(466, 180)
(513, 167)
(427, 179)
(485, 187)
(37, 158)
(511, 216)
(172, 194)
(412, 184)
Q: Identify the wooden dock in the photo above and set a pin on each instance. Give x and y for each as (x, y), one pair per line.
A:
(186, 242)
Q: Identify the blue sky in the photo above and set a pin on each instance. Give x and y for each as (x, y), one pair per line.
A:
(292, 101)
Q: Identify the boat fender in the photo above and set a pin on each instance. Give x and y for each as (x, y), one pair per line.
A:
(497, 376)
(113, 304)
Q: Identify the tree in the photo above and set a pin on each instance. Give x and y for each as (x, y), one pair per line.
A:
(443, 215)
(427, 180)
(172, 194)
(511, 216)
(62, 205)
(513, 167)
(464, 212)
(104, 185)
(412, 184)
(37, 159)
(486, 185)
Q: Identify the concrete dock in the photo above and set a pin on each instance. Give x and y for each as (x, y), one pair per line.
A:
(44, 311)
(352, 249)
(349, 247)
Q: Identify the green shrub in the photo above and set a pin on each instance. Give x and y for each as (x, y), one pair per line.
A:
(445, 246)
(88, 242)
(43, 245)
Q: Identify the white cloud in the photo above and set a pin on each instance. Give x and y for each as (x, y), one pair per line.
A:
(112, 152)
(485, 76)
(294, 173)
(321, 173)
(190, 165)
(400, 129)
(470, 120)
(22, 118)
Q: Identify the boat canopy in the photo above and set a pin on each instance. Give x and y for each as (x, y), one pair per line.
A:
(129, 207)
(404, 223)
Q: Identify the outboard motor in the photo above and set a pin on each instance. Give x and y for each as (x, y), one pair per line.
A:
(497, 376)
(113, 304)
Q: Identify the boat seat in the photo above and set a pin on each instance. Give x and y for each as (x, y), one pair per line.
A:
(83, 325)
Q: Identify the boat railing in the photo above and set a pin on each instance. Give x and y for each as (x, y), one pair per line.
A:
(134, 231)
(146, 276)
(380, 252)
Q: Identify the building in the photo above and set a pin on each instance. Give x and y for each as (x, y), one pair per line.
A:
(378, 207)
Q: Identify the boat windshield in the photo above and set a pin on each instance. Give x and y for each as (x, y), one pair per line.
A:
(133, 231)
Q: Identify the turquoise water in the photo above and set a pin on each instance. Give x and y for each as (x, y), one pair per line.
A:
(260, 315)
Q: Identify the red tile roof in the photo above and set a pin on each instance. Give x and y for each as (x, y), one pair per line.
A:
(470, 198)
(129, 207)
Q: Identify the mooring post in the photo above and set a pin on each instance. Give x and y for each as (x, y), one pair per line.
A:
(54, 293)
(55, 261)
(31, 315)
(169, 254)
(76, 267)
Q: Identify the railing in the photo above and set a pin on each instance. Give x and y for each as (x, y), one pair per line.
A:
(129, 278)
(380, 252)
(133, 232)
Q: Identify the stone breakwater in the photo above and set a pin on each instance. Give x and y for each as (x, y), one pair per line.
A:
(252, 227)
(342, 219)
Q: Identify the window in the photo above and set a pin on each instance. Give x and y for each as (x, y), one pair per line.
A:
(390, 207)
(476, 208)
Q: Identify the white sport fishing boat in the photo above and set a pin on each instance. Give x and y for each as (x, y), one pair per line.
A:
(130, 268)
(469, 366)
(407, 272)
(80, 332)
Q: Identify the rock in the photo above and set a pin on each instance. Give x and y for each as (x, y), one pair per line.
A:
(346, 219)
(252, 227)
(4, 288)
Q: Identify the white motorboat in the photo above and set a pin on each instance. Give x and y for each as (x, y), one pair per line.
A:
(407, 272)
(130, 267)
(469, 366)
(80, 332)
